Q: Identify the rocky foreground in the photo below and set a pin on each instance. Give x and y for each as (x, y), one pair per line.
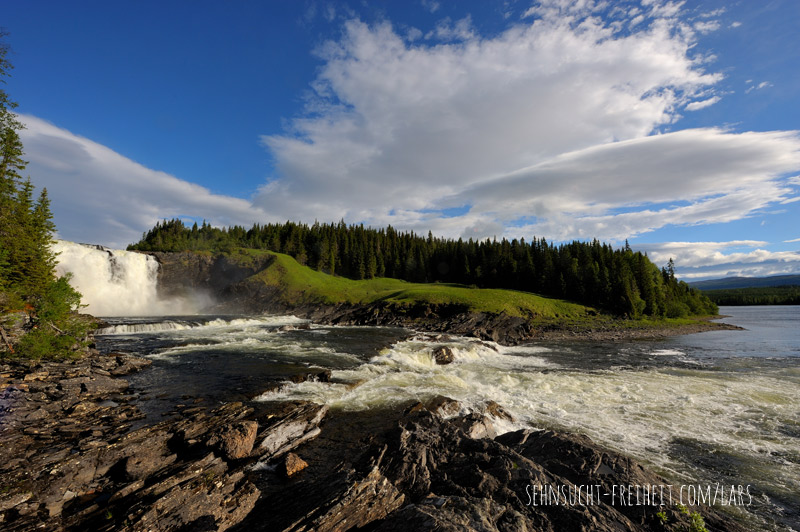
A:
(75, 455)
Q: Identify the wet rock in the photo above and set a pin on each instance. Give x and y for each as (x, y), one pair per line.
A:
(476, 426)
(281, 434)
(92, 386)
(428, 474)
(443, 406)
(495, 410)
(292, 465)
(36, 376)
(69, 460)
(443, 355)
(127, 364)
(353, 503)
(454, 514)
(414, 408)
(236, 440)
(142, 453)
(454, 482)
(322, 376)
(203, 497)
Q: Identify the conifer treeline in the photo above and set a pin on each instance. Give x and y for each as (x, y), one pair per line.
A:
(760, 295)
(27, 261)
(618, 280)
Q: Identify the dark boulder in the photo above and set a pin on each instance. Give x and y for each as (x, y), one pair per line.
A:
(443, 355)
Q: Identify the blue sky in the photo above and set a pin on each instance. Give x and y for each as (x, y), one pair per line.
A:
(670, 124)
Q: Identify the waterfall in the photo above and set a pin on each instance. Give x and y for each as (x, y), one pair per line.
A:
(115, 282)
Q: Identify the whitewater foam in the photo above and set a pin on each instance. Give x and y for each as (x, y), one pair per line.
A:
(114, 282)
(639, 411)
(138, 328)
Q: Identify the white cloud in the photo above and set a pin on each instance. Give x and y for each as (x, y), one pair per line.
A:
(714, 13)
(702, 104)
(102, 197)
(737, 258)
(735, 24)
(792, 240)
(725, 176)
(706, 26)
(550, 128)
(547, 129)
(396, 126)
(762, 85)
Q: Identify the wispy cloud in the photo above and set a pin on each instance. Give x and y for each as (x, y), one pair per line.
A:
(102, 197)
(737, 258)
(447, 30)
(707, 26)
(762, 85)
(722, 177)
(430, 5)
(702, 104)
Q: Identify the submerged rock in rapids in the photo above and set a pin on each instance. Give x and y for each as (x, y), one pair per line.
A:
(443, 355)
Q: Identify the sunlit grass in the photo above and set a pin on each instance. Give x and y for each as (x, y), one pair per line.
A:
(300, 284)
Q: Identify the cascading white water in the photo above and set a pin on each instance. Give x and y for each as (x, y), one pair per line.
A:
(115, 282)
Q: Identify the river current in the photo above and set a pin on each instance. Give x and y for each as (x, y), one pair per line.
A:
(713, 409)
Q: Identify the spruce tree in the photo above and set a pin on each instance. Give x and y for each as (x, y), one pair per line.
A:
(27, 262)
(44, 258)
(11, 164)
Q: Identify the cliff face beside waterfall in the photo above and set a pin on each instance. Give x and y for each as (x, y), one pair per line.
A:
(126, 283)
(188, 275)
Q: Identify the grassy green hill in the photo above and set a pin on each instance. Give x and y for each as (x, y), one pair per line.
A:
(300, 285)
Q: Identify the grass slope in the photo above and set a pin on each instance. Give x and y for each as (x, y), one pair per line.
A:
(300, 285)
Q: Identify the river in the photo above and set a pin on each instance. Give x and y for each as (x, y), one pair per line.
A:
(719, 408)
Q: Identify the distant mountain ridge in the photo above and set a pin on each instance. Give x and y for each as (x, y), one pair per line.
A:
(746, 282)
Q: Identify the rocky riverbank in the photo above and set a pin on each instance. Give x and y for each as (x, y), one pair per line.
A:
(71, 457)
(227, 281)
(507, 330)
(74, 456)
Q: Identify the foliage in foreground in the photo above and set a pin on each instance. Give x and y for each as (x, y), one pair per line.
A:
(619, 281)
(27, 262)
(57, 331)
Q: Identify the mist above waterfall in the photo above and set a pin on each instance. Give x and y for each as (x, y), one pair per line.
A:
(119, 283)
